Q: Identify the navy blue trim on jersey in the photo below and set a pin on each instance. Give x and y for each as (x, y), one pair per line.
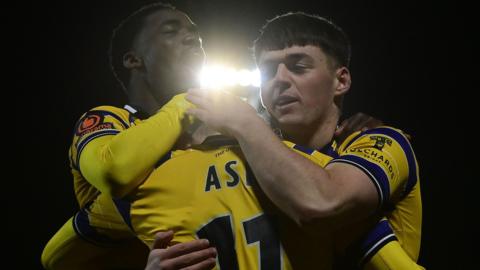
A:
(377, 238)
(303, 149)
(164, 159)
(89, 138)
(83, 228)
(140, 114)
(407, 149)
(107, 113)
(363, 249)
(375, 173)
(131, 119)
(123, 207)
(329, 150)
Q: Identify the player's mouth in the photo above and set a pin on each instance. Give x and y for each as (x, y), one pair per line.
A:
(194, 58)
(284, 102)
(194, 53)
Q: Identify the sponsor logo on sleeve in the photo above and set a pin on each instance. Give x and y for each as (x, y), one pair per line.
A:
(91, 123)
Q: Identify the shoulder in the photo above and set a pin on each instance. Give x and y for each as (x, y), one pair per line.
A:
(379, 138)
(103, 117)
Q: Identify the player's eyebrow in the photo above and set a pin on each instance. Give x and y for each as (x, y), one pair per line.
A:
(289, 58)
(295, 57)
(174, 22)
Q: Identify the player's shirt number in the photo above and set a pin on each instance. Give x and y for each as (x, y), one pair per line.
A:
(258, 230)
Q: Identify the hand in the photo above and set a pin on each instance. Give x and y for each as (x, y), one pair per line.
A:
(357, 122)
(193, 255)
(220, 110)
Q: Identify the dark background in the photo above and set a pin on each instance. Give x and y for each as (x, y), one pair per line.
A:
(412, 66)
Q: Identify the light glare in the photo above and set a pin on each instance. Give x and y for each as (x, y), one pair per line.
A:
(218, 76)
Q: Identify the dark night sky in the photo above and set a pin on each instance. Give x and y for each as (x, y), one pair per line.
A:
(411, 65)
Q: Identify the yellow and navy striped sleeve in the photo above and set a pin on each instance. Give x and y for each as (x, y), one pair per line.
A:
(386, 156)
(379, 249)
(381, 234)
(114, 154)
(98, 122)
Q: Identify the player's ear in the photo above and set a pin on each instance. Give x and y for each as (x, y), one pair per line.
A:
(131, 60)
(343, 81)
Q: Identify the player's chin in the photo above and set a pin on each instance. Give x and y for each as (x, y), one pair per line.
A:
(194, 62)
(188, 79)
(192, 67)
(289, 120)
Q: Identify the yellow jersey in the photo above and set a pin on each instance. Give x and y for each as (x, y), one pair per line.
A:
(386, 156)
(210, 193)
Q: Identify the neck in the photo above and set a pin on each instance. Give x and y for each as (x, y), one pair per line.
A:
(195, 136)
(315, 136)
(201, 133)
(140, 93)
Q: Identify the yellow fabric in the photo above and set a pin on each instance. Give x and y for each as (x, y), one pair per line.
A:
(384, 151)
(67, 251)
(191, 197)
(391, 257)
(119, 151)
(379, 148)
(197, 187)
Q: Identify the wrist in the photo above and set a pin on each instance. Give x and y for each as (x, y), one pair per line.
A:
(247, 127)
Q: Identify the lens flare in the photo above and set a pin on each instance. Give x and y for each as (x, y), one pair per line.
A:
(218, 76)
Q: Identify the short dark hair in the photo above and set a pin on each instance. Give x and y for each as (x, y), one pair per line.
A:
(124, 35)
(299, 28)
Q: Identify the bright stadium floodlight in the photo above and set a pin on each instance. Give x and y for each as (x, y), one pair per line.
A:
(218, 76)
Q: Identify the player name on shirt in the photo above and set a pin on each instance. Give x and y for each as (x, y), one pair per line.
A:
(214, 182)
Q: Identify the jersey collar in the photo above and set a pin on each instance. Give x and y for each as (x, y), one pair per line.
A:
(136, 111)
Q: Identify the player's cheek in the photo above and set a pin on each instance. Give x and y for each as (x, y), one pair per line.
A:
(266, 98)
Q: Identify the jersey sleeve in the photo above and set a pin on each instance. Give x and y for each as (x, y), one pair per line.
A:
(386, 156)
(98, 122)
(114, 154)
(379, 248)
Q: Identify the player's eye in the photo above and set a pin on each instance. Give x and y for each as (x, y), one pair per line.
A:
(170, 31)
(298, 68)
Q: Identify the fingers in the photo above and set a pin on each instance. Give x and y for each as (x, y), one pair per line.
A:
(357, 122)
(195, 99)
(352, 124)
(203, 98)
(201, 259)
(162, 239)
(195, 254)
(185, 248)
(341, 128)
(204, 265)
(200, 114)
(196, 92)
(374, 122)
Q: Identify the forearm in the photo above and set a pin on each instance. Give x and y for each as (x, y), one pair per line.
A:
(304, 190)
(296, 185)
(117, 164)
